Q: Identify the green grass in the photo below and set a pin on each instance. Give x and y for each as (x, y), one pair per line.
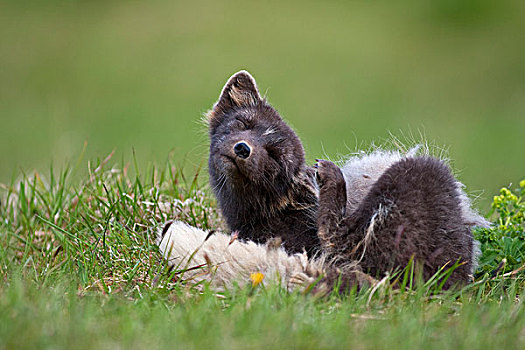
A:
(57, 317)
(78, 269)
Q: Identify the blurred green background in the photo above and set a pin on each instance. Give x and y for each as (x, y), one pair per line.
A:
(139, 74)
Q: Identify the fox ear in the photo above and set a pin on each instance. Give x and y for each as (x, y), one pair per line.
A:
(240, 90)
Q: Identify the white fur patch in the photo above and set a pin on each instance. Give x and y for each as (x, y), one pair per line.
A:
(269, 132)
(225, 262)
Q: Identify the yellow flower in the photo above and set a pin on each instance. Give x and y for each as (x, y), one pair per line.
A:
(256, 278)
(522, 183)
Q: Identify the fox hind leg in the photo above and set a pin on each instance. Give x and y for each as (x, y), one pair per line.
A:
(332, 204)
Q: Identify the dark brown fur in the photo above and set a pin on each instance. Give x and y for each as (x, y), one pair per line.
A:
(270, 193)
(413, 210)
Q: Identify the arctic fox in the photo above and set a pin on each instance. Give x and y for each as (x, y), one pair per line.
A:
(322, 223)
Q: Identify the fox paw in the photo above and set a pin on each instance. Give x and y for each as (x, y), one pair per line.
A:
(327, 172)
(308, 284)
(300, 281)
(332, 186)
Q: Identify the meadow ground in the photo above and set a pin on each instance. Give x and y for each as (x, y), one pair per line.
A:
(79, 269)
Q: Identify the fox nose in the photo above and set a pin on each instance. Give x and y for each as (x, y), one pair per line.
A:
(242, 150)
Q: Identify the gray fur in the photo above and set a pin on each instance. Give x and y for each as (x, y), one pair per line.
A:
(362, 171)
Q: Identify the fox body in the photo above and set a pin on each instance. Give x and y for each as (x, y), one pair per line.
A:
(372, 215)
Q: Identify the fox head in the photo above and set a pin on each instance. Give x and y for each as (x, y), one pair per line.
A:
(254, 155)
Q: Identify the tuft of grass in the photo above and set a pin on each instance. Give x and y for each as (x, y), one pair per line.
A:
(79, 269)
(503, 244)
(100, 233)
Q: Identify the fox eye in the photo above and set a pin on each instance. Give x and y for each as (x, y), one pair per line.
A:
(240, 124)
